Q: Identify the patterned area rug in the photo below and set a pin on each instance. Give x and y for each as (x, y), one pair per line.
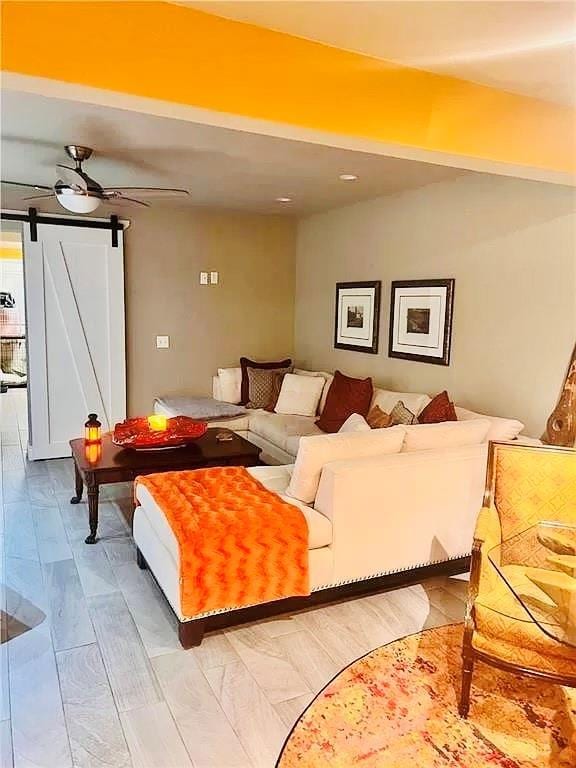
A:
(397, 707)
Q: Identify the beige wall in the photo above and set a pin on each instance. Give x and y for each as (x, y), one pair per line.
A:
(250, 312)
(510, 245)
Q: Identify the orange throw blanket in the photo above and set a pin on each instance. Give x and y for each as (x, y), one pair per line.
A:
(240, 544)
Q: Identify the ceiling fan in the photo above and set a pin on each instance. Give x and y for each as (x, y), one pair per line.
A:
(79, 193)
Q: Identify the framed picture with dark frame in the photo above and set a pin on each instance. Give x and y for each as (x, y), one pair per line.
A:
(421, 320)
(357, 316)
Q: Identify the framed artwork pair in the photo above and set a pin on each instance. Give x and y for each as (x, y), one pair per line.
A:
(420, 319)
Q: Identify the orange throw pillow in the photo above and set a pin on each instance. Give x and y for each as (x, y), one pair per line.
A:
(345, 397)
(440, 408)
(377, 418)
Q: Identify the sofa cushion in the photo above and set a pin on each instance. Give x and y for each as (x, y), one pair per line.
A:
(355, 423)
(448, 434)
(264, 387)
(500, 429)
(315, 451)
(401, 415)
(230, 380)
(439, 409)
(346, 396)
(278, 427)
(300, 395)
(328, 378)
(246, 363)
(377, 418)
(387, 399)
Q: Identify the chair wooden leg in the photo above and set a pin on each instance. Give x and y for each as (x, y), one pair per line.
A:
(191, 633)
(467, 670)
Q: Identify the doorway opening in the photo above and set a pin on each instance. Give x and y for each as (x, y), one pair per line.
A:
(13, 357)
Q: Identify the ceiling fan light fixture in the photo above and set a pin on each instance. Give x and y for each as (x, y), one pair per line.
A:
(76, 202)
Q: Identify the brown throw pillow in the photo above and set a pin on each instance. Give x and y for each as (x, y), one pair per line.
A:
(377, 418)
(263, 389)
(401, 415)
(246, 363)
(440, 408)
(276, 387)
(345, 397)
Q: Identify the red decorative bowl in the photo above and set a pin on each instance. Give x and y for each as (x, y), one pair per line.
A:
(136, 433)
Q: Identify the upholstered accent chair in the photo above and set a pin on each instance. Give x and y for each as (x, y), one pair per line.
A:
(524, 486)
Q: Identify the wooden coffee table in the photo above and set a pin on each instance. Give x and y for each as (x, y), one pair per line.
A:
(120, 465)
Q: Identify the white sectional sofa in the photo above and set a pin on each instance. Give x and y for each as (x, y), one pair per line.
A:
(375, 504)
(278, 435)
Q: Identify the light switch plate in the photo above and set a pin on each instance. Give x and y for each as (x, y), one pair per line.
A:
(162, 342)
(214, 278)
(203, 278)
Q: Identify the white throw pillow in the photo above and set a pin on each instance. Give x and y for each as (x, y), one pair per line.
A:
(386, 399)
(315, 451)
(328, 378)
(230, 384)
(299, 395)
(355, 423)
(500, 429)
(446, 434)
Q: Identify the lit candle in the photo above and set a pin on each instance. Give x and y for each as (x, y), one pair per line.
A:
(157, 422)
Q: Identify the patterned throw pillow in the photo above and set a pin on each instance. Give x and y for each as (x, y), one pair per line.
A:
(401, 415)
(246, 363)
(377, 418)
(263, 387)
(439, 409)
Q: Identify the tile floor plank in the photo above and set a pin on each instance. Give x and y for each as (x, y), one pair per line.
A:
(258, 726)
(205, 729)
(149, 608)
(94, 569)
(268, 664)
(50, 534)
(39, 732)
(153, 738)
(69, 619)
(6, 744)
(96, 735)
(215, 651)
(289, 711)
(309, 658)
(131, 677)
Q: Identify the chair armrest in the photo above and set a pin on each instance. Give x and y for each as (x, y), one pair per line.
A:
(488, 528)
(483, 575)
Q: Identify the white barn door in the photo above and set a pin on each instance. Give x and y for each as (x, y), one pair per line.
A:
(74, 282)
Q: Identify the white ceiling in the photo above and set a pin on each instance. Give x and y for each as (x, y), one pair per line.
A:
(220, 167)
(524, 47)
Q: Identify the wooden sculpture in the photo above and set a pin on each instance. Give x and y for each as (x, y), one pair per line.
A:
(561, 426)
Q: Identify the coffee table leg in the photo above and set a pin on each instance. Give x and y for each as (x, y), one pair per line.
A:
(92, 510)
(79, 486)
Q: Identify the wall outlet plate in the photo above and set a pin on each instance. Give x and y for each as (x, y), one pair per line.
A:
(214, 278)
(203, 278)
(162, 342)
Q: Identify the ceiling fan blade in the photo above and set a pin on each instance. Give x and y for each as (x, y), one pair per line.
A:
(38, 197)
(149, 191)
(71, 177)
(22, 184)
(119, 199)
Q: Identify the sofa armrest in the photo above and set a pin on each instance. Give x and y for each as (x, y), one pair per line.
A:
(403, 510)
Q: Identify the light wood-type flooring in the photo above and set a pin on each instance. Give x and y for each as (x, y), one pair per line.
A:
(93, 675)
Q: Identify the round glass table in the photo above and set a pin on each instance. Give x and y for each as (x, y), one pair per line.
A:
(539, 567)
